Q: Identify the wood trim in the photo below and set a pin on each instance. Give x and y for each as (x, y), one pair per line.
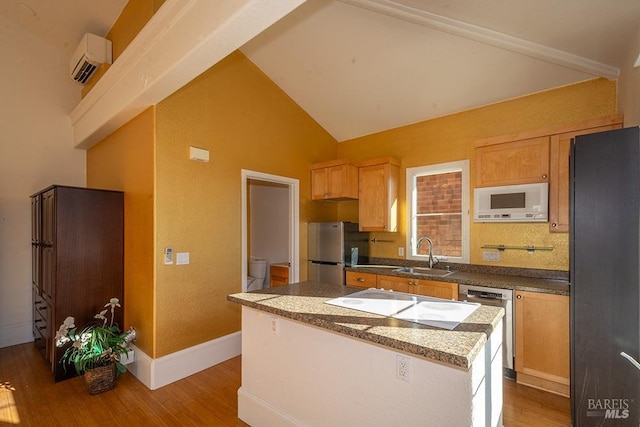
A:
(553, 130)
(377, 161)
(543, 384)
(330, 163)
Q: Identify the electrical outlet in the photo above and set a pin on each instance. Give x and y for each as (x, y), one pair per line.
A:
(403, 368)
(491, 256)
(400, 250)
(275, 326)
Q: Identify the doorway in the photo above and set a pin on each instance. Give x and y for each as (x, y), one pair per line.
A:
(270, 222)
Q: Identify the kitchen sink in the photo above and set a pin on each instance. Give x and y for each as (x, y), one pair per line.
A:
(390, 267)
(425, 271)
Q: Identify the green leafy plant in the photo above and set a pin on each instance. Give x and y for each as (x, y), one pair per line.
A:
(99, 343)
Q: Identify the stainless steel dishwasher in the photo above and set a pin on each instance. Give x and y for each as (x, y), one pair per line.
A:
(499, 298)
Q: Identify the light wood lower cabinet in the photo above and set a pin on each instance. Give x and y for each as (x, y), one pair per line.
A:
(398, 284)
(279, 275)
(429, 288)
(542, 341)
(361, 280)
(437, 289)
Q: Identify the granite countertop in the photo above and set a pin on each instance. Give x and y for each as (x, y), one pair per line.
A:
(487, 277)
(304, 302)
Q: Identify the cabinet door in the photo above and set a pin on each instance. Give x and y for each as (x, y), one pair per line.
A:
(542, 341)
(36, 240)
(437, 289)
(511, 163)
(378, 188)
(361, 280)
(47, 276)
(559, 177)
(334, 182)
(398, 284)
(279, 275)
(319, 183)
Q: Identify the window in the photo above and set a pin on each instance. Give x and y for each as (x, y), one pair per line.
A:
(438, 208)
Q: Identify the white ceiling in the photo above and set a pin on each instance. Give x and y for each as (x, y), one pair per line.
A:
(362, 66)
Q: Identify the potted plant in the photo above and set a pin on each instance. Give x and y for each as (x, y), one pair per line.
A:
(97, 348)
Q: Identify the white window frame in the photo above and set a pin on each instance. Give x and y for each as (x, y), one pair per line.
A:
(412, 174)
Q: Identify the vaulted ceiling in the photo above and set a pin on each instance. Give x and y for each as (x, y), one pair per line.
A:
(362, 66)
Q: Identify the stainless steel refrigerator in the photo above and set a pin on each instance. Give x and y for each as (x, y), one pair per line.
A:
(332, 246)
(604, 274)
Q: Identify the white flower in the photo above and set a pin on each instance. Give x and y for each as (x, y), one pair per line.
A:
(113, 303)
(69, 322)
(63, 331)
(130, 335)
(61, 339)
(102, 316)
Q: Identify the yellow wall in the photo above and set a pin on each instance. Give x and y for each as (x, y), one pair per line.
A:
(246, 122)
(132, 19)
(125, 161)
(452, 138)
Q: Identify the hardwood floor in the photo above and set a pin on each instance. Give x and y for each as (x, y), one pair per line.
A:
(29, 397)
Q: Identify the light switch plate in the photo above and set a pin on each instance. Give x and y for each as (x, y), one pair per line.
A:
(182, 258)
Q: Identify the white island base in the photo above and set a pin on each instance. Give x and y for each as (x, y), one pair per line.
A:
(295, 374)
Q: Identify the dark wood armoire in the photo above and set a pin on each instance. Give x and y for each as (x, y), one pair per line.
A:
(77, 243)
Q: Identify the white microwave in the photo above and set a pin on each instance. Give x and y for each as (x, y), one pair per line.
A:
(512, 203)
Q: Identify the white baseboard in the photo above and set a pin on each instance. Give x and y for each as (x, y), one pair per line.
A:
(255, 411)
(15, 334)
(155, 373)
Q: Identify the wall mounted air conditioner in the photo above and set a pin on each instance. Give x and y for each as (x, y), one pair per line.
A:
(92, 52)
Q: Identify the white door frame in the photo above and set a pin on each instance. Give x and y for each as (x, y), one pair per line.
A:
(294, 221)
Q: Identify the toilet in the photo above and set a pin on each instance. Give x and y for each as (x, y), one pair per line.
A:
(257, 273)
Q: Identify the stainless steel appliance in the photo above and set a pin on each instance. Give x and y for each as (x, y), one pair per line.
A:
(499, 298)
(332, 246)
(604, 249)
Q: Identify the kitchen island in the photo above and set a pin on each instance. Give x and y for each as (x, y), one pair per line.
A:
(305, 362)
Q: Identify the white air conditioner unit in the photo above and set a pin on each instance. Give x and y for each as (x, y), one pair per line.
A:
(92, 52)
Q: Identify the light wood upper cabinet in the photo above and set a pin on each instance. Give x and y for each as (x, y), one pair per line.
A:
(542, 341)
(538, 155)
(511, 163)
(378, 195)
(336, 179)
(361, 280)
(559, 176)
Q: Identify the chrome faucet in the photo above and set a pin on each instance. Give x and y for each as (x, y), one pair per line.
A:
(430, 249)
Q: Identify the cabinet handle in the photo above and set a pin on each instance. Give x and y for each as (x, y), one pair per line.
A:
(554, 225)
(544, 176)
(360, 279)
(519, 296)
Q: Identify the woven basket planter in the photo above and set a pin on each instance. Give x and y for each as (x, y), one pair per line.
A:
(100, 379)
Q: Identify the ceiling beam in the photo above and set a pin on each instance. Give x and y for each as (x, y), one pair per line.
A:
(487, 36)
(182, 40)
